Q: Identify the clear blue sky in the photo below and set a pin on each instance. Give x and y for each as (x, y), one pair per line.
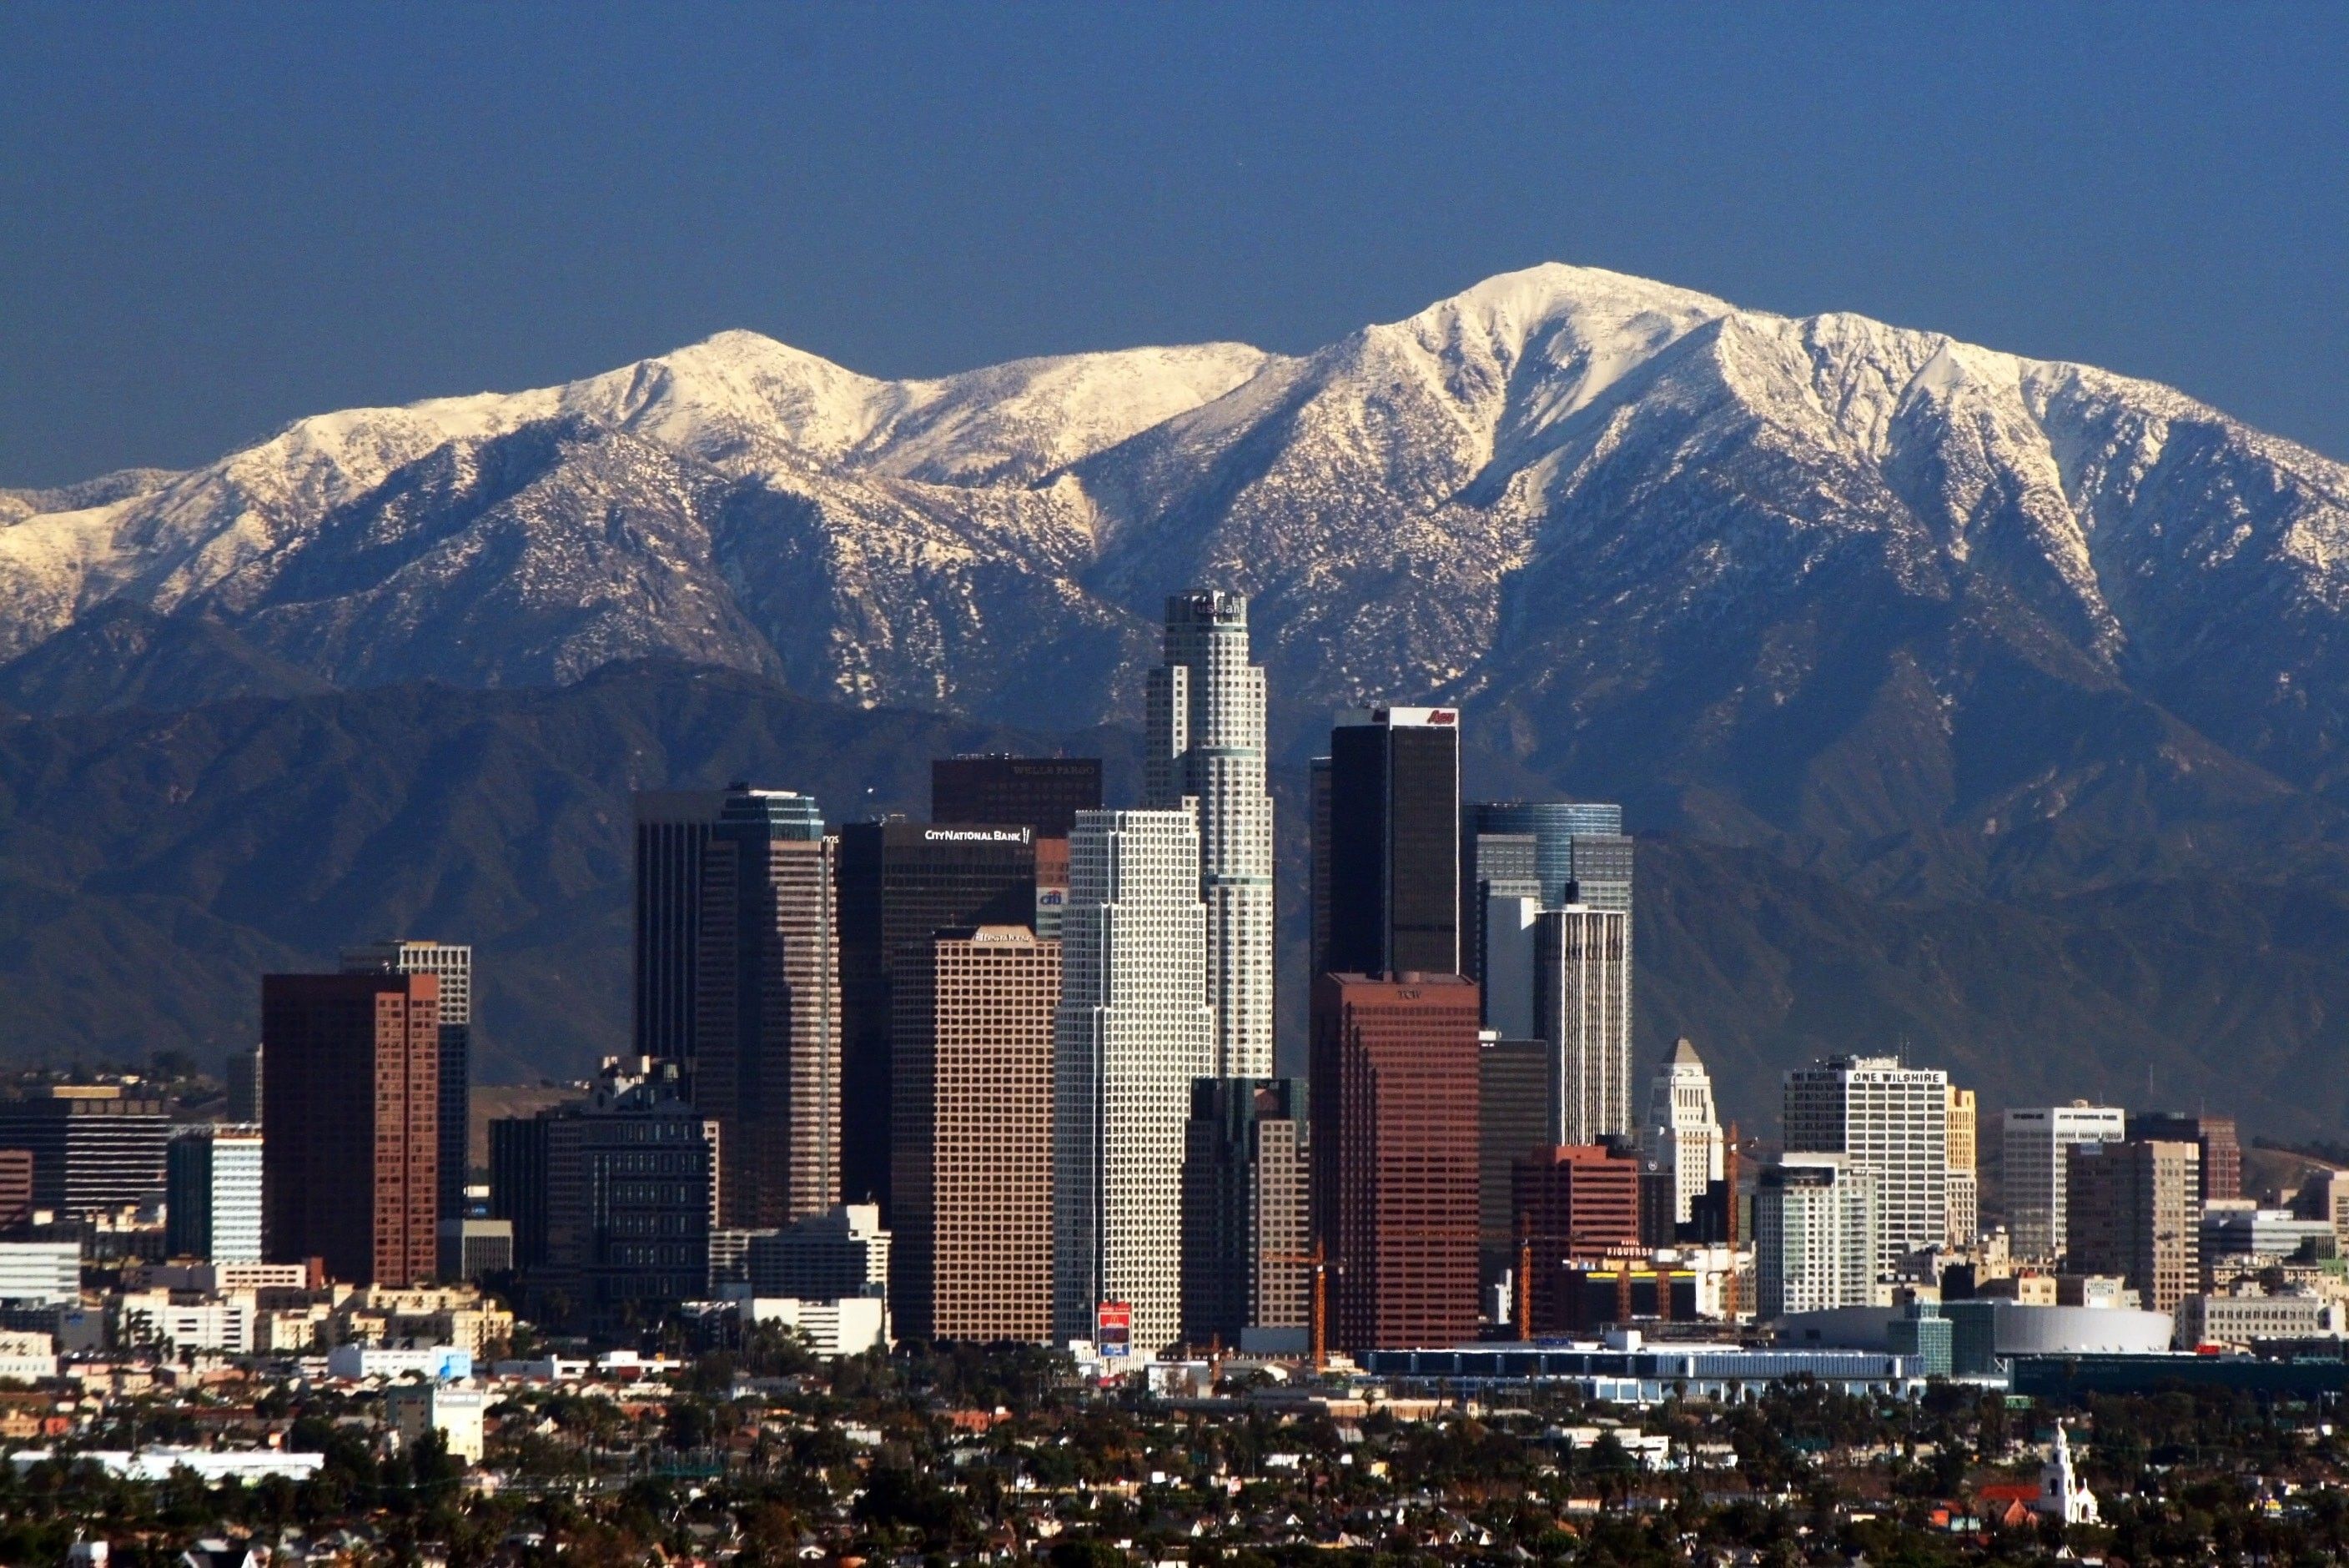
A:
(216, 218)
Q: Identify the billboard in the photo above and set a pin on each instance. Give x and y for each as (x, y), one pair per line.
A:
(1113, 1328)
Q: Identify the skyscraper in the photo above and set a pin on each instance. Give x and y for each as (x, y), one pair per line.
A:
(452, 964)
(1317, 809)
(518, 1184)
(766, 1047)
(628, 1173)
(212, 1195)
(245, 1087)
(1964, 1186)
(1891, 1121)
(1044, 793)
(2221, 1163)
(1133, 1031)
(1205, 745)
(673, 830)
(737, 981)
(1580, 852)
(1813, 1235)
(1395, 1155)
(1394, 842)
(1551, 852)
(2134, 1210)
(2033, 1143)
(1683, 1132)
(1513, 1093)
(1246, 1210)
(973, 1135)
(1503, 894)
(1578, 1203)
(900, 881)
(93, 1146)
(351, 1124)
(1582, 1006)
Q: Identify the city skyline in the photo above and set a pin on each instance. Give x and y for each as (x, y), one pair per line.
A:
(1201, 785)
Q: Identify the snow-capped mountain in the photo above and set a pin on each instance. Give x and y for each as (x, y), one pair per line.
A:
(1821, 579)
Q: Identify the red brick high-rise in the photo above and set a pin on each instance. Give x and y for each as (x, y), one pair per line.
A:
(1576, 1203)
(1395, 1120)
(351, 1118)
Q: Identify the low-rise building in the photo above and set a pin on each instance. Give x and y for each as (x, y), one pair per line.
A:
(846, 1325)
(177, 1321)
(454, 1412)
(2239, 1229)
(1625, 1370)
(219, 1276)
(358, 1363)
(842, 1252)
(444, 1315)
(210, 1465)
(45, 1274)
(27, 1358)
(2246, 1318)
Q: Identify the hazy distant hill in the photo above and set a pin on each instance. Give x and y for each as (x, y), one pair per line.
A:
(151, 866)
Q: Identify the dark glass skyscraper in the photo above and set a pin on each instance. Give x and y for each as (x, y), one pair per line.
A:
(1043, 793)
(518, 1184)
(900, 882)
(1575, 842)
(738, 982)
(1394, 842)
(1246, 1211)
(673, 828)
(764, 1057)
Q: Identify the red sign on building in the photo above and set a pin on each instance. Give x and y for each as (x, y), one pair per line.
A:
(1113, 1328)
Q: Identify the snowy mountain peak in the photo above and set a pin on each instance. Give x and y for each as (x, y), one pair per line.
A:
(1517, 308)
(1646, 522)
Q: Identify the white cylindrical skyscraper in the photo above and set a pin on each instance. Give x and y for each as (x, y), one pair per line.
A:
(1133, 1031)
(1206, 741)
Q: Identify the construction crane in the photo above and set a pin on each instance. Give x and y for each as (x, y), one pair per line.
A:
(1318, 1261)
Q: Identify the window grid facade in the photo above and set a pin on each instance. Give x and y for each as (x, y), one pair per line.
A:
(213, 1201)
(451, 963)
(2034, 1140)
(972, 1255)
(1891, 1121)
(1395, 1156)
(1204, 714)
(1814, 1228)
(353, 1069)
(1582, 1006)
(1133, 1031)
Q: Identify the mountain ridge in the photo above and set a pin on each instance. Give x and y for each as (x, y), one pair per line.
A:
(1971, 641)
